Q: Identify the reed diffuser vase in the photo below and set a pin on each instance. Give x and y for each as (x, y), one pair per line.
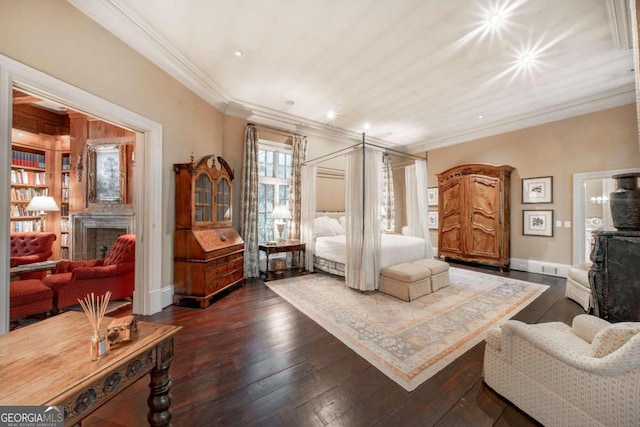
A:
(95, 309)
(98, 346)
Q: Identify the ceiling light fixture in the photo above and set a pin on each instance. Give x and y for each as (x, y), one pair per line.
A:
(331, 115)
(527, 59)
(366, 125)
(289, 102)
(496, 19)
(238, 52)
(480, 116)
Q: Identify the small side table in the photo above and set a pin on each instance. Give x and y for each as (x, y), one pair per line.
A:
(15, 272)
(280, 247)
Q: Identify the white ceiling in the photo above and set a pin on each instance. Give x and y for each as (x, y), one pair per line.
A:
(421, 72)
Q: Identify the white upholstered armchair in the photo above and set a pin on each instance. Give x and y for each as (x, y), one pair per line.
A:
(584, 375)
(578, 287)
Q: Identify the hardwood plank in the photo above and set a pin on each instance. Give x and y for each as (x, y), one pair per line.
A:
(253, 359)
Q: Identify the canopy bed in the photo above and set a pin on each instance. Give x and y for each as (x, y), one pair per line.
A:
(354, 245)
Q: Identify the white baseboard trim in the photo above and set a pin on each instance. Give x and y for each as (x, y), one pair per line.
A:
(541, 267)
(166, 296)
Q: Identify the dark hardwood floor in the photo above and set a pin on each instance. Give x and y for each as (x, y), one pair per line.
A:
(253, 359)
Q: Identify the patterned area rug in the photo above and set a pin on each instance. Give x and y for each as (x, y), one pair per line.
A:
(410, 341)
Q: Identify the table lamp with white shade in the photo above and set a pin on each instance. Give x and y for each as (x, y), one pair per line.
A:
(42, 205)
(279, 214)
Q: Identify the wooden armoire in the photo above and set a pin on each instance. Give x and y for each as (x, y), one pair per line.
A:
(473, 214)
(208, 252)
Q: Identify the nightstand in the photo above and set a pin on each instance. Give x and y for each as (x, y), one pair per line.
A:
(292, 246)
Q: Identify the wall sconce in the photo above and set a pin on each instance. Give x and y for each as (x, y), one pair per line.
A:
(79, 168)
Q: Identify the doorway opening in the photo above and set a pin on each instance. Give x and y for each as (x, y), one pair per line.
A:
(591, 210)
(150, 295)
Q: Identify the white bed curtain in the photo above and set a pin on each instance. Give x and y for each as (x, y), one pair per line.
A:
(417, 204)
(307, 211)
(388, 197)
(363, 180)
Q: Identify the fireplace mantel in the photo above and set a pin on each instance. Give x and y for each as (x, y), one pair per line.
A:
(82, 223)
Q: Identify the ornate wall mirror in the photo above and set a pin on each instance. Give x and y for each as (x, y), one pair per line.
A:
(107, 175)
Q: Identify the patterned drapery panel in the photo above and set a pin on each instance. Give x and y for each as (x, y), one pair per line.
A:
(388, 202)
(299, 153)
(249, 211)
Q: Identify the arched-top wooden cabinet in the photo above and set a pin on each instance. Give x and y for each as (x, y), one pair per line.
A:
(208, 251)
(474, 213)
(203, 193)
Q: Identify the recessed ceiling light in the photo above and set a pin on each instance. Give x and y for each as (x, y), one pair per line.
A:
(289, 102)
(238, 52)
(496, 19)
(331, 114)
(527, 59)
(480, 116)
(366, 125)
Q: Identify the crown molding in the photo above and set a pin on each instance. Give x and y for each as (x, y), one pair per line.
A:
(619, 13)
(617, 97)
(117, 17)
(263, 115)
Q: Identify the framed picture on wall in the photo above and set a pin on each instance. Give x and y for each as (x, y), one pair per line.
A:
(537, 190)
(432, 196)
(537, 223)
(432, 219)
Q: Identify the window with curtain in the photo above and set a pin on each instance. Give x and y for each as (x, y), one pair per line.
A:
(274, 182)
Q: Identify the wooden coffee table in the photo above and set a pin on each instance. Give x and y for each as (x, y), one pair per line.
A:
(49, 363)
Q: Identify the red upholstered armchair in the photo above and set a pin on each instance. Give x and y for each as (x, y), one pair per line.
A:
(27, 248)
(73, 280)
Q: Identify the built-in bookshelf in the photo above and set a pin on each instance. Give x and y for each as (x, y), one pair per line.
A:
(65, 239)
(28, 179)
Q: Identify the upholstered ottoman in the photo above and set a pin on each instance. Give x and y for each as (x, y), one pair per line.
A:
(27, 297)
(406, 281)
(439, 272)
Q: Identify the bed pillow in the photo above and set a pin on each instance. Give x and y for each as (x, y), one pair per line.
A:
(322, 227)
(336, 227)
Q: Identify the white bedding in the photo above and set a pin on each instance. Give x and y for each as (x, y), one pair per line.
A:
(395, 248)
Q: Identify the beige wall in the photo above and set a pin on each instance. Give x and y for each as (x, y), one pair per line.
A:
(54, 37)
(594, 142)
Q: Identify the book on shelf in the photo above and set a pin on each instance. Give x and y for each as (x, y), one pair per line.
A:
(65, 179)
(64, 225)
(65, 194)
(22, 176)
(26, 194)
(64, 239)
(66, 163)
(24, 158)
(64, 253)
(27, 225)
